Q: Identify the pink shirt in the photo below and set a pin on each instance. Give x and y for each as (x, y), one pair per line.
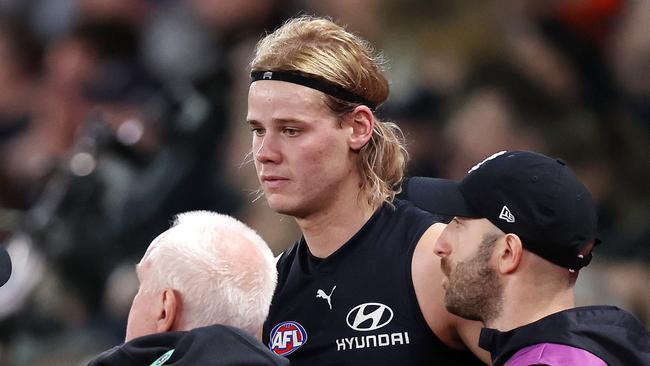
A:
(554, 355)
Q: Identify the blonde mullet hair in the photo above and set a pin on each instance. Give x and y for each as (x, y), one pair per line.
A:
(319, 48)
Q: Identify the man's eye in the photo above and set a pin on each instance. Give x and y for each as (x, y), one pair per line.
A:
(258, 131)
(291, 132)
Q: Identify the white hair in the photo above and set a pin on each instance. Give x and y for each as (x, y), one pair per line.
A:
(224, 271)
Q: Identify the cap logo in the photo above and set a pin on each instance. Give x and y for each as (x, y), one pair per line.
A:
(507, 215)
(267, 75)
(486, 159)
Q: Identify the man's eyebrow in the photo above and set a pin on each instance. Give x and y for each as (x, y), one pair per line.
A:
(277, 121)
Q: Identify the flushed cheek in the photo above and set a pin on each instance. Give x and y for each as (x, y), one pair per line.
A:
(330, 155)
(321, 169)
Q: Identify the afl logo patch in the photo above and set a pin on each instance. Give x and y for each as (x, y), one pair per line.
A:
(287, 337)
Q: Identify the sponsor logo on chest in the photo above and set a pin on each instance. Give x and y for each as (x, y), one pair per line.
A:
(370, 317)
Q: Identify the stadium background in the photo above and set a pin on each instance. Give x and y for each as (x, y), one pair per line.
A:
(117, 114)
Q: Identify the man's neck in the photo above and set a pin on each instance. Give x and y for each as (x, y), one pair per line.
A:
(326, 231)
(529, 305)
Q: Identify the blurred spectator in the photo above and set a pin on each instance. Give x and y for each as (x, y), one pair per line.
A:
(628, 53)
(132, 12)
(20, 65)
(103, 126)
(499, 109)
(420, 116)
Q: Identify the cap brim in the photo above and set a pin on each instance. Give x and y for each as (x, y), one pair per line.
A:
(439, 196)
(5, 266)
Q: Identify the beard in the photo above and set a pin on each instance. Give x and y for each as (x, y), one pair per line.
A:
(473, 289)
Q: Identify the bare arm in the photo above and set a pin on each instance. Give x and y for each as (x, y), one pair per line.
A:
(454, 331)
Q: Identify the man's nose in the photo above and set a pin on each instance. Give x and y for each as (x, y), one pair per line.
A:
(442, 248)
(266, 150)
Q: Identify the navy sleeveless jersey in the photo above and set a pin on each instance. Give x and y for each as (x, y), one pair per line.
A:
(357, 306)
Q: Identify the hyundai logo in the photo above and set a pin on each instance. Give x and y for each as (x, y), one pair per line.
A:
(369, 316)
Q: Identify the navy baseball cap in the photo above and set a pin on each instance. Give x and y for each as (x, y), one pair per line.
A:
(5, 266)
(525, 193)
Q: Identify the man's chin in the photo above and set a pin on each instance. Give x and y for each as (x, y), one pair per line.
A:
(281, 207)
(287, 207)
(463, 313)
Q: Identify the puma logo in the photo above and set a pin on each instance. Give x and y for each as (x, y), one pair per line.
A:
(320, 294)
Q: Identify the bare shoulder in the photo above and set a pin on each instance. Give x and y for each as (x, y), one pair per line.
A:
(427, 279)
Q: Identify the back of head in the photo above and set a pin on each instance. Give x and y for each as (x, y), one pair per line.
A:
(320, 49)
(543, 277)
(224, 272)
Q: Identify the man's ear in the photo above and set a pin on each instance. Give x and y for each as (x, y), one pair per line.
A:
(170, 310)
(510, 254)
(362, 122)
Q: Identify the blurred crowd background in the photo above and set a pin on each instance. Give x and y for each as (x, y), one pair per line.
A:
(117, 114)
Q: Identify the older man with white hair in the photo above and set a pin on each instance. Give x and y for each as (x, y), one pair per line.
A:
(205, 289)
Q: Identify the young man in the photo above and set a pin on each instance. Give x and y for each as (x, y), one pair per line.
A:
(358, 287)
(524, 227)
(205, 289)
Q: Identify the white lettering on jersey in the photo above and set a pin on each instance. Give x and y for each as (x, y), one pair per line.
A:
(282, 338)
(371, 341)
